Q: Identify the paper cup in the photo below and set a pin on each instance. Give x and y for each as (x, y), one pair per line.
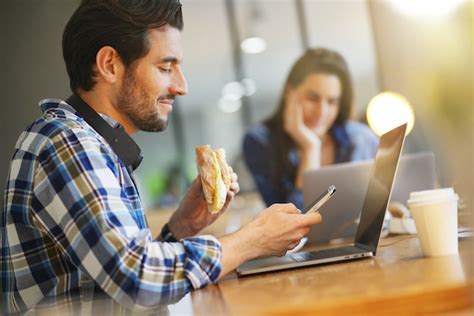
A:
(436, 218)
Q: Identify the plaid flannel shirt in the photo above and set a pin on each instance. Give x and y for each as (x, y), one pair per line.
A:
(72, 216)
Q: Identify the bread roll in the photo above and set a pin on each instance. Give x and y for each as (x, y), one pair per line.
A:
(215, 176)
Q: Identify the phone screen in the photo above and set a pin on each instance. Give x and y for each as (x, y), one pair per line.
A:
(320, 200)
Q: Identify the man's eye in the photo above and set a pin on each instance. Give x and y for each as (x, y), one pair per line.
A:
(164, 69)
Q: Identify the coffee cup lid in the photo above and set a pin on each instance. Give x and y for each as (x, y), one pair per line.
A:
(430, 196)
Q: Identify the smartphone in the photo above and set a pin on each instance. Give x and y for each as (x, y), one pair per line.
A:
(320, 200)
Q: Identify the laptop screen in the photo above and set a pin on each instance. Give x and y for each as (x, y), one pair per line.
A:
(379, 188)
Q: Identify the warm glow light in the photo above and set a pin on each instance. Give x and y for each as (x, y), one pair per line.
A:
(253, 45)
(388, 110)
(430, 8)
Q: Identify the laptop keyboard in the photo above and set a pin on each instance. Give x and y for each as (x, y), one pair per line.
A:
(326, 253)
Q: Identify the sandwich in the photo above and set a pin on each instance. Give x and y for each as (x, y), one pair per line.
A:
(215, 176)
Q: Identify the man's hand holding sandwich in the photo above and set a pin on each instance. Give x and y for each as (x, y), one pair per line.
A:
(274, 231)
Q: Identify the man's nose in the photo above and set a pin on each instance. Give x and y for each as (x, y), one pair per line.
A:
(179, 86)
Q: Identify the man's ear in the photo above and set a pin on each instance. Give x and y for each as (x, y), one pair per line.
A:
(109, 66)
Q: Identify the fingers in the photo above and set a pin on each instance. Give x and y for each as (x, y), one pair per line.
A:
(291, 98)
(293, 105)
(288, 208)
(293, 244)
(234, 185)
(302, 220)
(310, 219)
(299, 115)
(233, 176)
(229, 198)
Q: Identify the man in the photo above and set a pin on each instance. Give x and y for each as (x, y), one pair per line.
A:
(72, 215)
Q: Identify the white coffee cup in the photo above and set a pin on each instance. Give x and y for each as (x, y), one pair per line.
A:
(436, 218)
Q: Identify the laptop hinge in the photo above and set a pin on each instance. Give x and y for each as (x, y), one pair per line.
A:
(368, 248)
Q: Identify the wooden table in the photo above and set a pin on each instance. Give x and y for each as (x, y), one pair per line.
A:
(398, 281)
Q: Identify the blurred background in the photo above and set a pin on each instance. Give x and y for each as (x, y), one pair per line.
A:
(237, 56)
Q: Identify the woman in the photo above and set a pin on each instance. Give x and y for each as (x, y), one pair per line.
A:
(310, 129)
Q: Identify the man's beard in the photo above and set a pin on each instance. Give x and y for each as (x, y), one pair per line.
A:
(138, 106)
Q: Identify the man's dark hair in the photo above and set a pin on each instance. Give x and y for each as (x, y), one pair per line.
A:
(121, 24)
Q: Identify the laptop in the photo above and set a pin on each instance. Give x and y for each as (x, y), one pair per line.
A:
(371, 220)
(341, 214)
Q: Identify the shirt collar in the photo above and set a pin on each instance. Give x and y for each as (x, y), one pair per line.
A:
(61, 107)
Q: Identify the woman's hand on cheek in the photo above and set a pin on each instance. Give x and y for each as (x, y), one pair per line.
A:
(293, 120)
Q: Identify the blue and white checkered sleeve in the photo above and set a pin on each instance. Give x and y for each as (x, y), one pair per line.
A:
(81, 205)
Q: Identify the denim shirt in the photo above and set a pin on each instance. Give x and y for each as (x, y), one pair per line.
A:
(354, 142)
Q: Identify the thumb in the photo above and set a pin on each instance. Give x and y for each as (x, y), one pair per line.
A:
(196, 186)
(309, 219)
(198, 181)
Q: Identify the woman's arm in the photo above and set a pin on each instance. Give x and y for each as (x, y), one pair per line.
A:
(258, 158)
(310, 160)
(258, 153)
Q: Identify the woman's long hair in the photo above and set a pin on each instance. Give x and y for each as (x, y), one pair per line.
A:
(317, 60)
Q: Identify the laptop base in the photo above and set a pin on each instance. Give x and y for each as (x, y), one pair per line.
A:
(301, 259)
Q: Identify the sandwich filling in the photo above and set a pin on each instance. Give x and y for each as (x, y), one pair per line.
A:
(215, 176)
(219, 185)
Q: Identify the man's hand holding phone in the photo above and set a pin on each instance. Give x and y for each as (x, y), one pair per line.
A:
(314, 207)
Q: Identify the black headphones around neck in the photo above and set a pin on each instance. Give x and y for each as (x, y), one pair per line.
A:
(122, 144)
